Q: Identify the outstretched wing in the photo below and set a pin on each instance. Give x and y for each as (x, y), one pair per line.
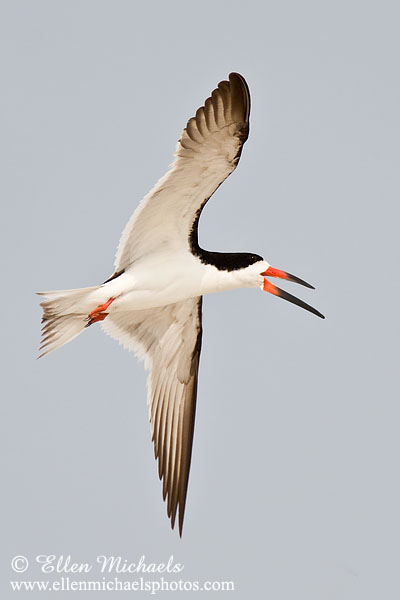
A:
(169, 340)
(208, 151)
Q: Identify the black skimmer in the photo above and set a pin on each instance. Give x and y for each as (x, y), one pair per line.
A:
(152, 303)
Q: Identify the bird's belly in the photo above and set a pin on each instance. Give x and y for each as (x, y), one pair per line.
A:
(133, 292)
(138, 299)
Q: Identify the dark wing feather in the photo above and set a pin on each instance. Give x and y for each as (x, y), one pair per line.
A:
(169, 340)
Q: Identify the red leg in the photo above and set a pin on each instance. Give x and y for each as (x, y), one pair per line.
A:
(98, 313)
(102, 307)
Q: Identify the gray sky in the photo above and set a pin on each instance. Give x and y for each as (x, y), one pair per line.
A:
(294, 486)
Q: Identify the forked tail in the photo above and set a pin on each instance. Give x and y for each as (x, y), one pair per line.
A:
(64, 317)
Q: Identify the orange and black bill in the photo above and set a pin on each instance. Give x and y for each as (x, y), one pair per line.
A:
(271, 272)
(273, 289)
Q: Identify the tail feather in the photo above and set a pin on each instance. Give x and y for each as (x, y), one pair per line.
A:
(64, 317)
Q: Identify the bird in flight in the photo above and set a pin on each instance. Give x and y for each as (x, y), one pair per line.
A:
(152, 303)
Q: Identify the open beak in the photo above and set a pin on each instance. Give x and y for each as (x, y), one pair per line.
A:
(273, 289)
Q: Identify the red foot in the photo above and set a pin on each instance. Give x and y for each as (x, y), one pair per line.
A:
(96, 317)
(98, 313)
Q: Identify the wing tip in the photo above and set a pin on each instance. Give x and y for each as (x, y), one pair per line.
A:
(235, 97)
(241, 92)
